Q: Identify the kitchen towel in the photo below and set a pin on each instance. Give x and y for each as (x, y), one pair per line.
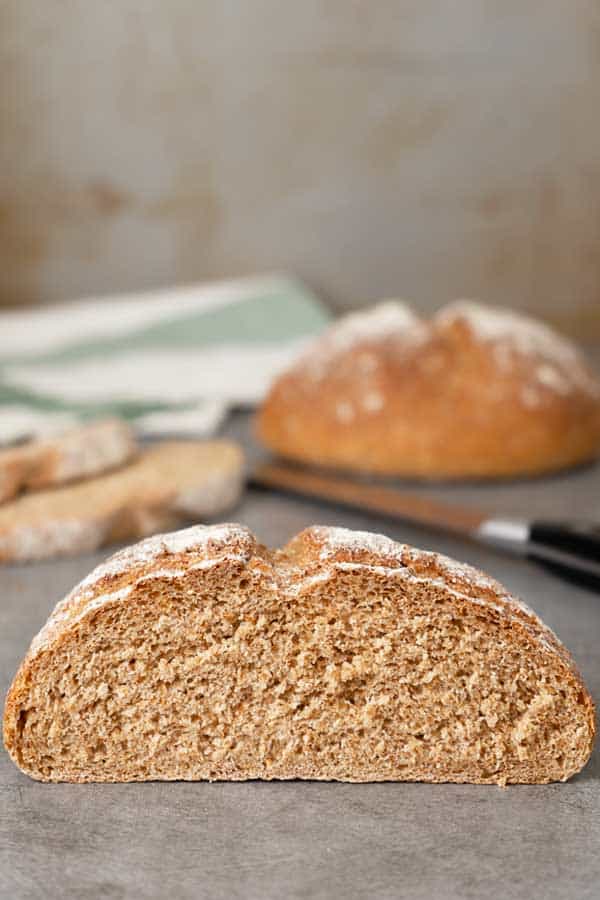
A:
(171, 361)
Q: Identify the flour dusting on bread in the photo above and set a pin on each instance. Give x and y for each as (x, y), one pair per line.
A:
(557, 361)
(391, 320)
(76, 454)
(169, 483)
(388, 319)
(334, 540)
(198, 537)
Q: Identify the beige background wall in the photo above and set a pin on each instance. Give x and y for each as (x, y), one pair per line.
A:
(419, 148)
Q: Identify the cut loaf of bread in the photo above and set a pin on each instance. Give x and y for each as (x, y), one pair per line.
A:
(474, 392)
(170, 483)
(76, 454)
(203, 655)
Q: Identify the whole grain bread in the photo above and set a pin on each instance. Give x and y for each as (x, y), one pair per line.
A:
(203, 655)
(476, 392)
(168, 484)
(76, 454)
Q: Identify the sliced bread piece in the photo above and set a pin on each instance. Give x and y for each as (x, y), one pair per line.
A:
(166, 485)
(75, 454)
(203, 655)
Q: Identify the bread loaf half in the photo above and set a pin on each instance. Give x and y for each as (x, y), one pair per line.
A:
(76, 454)
(203, 655)
(475, 392)
(168, 484)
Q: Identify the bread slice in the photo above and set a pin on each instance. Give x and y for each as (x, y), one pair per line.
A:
(168, 484)
(78, 453)
(203, 655)
(474, 392)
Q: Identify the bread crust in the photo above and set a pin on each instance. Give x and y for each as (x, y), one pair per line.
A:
(78, 453)
(317, 556)
(474, 393)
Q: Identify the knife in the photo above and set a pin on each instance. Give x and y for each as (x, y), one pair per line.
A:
(570, 549)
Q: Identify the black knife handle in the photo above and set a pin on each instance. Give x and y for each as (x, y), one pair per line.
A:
(570, 549)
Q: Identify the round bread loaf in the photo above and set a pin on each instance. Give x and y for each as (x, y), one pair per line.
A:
(475, 392)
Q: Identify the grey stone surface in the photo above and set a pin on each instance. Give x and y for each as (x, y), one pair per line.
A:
(311, 840)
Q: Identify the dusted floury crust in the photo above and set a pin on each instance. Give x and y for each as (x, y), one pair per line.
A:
(203, 655)
(476, 392)
(169, 484)
(78, 453)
